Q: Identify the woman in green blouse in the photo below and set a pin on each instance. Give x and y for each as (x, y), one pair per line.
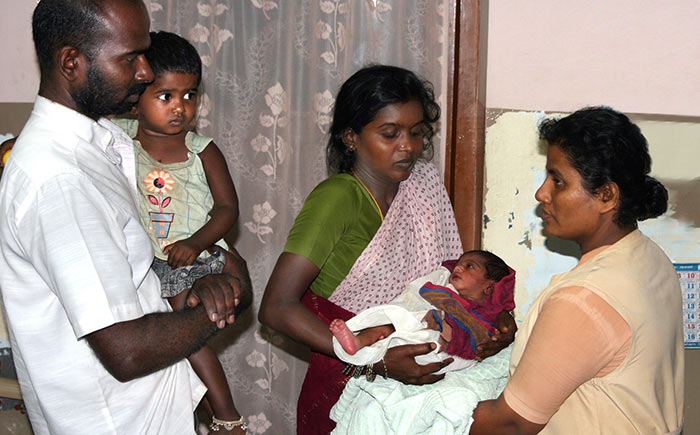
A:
(382, 220)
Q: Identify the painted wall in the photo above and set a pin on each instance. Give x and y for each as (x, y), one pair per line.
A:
(20, 74)
(548, 56)
(640, 56)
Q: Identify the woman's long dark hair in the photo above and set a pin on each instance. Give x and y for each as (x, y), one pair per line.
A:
(367, 92)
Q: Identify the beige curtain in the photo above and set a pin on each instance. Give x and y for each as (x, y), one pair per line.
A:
(271, 71)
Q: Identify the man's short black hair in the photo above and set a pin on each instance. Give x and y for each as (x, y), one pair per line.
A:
(61, 23)
(171, 53)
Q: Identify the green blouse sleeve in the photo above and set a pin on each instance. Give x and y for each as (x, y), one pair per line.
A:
(335, 225)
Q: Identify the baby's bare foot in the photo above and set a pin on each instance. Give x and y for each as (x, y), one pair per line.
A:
(345, 336)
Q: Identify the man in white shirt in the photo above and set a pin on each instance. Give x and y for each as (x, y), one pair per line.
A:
(96, 348)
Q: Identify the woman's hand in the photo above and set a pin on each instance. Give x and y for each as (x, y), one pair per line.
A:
(401, 364)
(504, 335)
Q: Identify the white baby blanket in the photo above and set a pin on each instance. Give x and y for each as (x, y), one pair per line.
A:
(405, 313)
(387, 406)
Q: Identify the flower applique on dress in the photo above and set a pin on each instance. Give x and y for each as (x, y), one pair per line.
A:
(159, 183)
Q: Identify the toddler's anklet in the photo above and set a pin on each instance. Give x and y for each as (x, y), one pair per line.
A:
(217, 424)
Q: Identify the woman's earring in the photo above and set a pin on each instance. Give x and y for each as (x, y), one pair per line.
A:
(351, 148)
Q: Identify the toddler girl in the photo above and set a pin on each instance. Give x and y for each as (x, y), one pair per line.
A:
(187, 198)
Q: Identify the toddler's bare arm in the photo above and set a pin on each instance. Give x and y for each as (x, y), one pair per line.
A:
(223, 215)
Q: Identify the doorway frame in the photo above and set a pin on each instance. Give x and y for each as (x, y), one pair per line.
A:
(466, 95)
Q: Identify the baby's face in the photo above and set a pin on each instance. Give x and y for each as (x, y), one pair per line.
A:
(469, 277)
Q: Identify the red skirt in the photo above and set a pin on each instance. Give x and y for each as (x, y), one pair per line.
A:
(324, 381)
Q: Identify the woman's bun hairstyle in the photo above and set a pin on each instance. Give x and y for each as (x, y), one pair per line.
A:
(657, 198)
(604, 146)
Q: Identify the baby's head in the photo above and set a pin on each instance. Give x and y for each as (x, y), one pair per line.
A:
(168, 105)
(475, 274)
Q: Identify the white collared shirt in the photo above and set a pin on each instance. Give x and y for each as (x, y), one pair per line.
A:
(74, 259)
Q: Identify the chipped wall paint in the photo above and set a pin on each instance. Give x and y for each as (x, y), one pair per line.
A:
(514, 169)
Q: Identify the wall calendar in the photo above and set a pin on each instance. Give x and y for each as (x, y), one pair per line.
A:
(689, 276)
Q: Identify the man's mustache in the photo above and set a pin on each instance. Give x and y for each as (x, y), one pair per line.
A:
(137, 89)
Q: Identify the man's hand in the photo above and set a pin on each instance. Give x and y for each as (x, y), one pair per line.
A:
(504, 335)
(401, 364)
(219, 294)
(236, 266)
(141, 346)
(225, 294)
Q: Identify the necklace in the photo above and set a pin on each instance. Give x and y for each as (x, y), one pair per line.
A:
(381, 215)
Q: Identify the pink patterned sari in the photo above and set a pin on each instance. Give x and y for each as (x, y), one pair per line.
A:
(417, 235)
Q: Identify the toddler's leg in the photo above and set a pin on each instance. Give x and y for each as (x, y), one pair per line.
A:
(207, 366)
(351, 342)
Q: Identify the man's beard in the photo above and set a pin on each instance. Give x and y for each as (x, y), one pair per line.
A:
(100, 98)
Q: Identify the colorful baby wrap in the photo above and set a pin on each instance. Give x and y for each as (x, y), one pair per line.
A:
(468, 328)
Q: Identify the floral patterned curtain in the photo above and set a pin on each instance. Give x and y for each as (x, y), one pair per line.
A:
(271, 71)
